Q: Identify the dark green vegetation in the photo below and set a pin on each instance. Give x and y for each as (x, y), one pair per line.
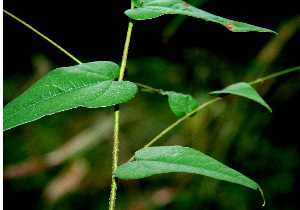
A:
(235, 131)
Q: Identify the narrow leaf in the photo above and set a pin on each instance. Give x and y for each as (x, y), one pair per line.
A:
(88, 85)
(245, 90)
(165, 159)
(181, 104)
(147, 9)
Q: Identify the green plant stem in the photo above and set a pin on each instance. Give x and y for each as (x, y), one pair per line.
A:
(297, 68)
(117, 113)
(113, 193)
(207, 103)
(43, 36)
(178, 122)
(148, 88)
(125, 53)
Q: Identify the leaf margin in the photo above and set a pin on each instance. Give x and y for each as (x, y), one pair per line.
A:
(142, 157)
(105, 78)
(236, 90)
(141, 12)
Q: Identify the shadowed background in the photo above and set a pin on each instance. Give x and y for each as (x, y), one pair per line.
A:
(63, 161)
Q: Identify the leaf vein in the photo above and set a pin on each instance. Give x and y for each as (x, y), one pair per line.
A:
(44, 99)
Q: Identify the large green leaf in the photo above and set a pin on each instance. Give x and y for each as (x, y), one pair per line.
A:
(147, 9)
(165, 159)
(180, 104)
(245, 90)
(88, 85)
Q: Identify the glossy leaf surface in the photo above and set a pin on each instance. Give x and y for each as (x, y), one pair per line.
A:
(147, 9)
(245, 90)
(181, 104)
(88, 85)
(165, 159)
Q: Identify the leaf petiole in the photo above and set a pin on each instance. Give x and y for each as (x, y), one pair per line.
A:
(206, 104)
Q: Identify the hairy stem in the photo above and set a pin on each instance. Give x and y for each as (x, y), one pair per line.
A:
(43, 36)
(113, 193)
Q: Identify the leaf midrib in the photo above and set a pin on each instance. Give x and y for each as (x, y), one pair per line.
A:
(205, 170)
(75, 88)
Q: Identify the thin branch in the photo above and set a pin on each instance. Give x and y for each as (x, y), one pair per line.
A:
(178, 122)
(43, 36)
(297, 68)
(207, 103)
(149, 89)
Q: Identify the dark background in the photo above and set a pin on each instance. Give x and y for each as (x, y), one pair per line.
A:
(197, 58)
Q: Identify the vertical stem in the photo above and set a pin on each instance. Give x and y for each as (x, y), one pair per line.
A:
(113, 192)
(125, 53)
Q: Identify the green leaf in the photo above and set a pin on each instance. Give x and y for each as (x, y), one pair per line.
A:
(147, 9)
(88, 85)
(165, 159)
(245, 90)
(181, 104)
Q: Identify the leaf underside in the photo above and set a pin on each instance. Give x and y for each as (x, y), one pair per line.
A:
(245, 90)
(165, 159)
(148, 9)
(180, 104)
(88, 85)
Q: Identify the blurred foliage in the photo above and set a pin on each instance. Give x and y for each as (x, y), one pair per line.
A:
(63, 161)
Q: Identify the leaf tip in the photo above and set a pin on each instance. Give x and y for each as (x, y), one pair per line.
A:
(267, 106)
(263, 197)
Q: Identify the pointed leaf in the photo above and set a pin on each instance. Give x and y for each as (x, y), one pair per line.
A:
(181, 104)
(88, 85)
(245, 90)
(147, 9)
(165, 159)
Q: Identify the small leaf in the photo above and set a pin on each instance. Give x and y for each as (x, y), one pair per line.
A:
(88, 85)
(181, 104)
(165, 159)
(245, 90)
(147, 9)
